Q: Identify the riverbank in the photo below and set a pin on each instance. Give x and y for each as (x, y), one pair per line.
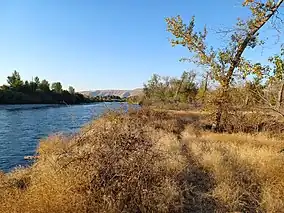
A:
(51, 97)
(40, 97)
(22, 126)
(149, 161)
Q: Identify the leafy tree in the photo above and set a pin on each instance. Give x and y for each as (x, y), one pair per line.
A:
(183, 89)
(33, 86)
(186, 87)
(277, 76)
(36, 80)
(26, 87)
(71, 90)
(57, 87)
(4, 87)
(156, 87)
(272, 95)
(203, 88)
(224, 64)
(15, 81)
(44, 86)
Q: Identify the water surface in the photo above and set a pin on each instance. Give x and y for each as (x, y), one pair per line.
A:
(21, 126)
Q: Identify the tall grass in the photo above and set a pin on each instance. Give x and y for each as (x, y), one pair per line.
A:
(119, 163)
(247, 171)
(149, 161)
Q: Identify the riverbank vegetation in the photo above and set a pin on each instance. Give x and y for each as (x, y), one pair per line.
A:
(214, 145)
(150, 161)
(42, 92)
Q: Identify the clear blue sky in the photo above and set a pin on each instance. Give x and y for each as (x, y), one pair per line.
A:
(102, 44)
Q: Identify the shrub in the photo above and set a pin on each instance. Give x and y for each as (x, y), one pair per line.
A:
(119, 163)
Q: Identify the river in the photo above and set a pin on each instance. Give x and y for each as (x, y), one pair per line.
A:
(22, 126)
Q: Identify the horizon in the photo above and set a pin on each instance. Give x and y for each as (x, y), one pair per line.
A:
(116, 45)
(111, 90)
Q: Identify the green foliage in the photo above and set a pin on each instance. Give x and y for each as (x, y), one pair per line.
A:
(44, 86)
(57, 87)
(183, 89)
(15, 82)
(37, 81)
(225, 64)
(36, 92)
(277, 73)
(71, 90)
(33, 86)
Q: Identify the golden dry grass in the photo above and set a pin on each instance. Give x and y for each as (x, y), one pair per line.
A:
(149, 161)
(247, 171)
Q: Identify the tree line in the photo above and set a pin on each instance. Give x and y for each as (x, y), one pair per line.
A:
(171, 89)
(15, 83)
(18, 91)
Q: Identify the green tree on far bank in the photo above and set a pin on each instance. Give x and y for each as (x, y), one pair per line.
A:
(37, 81)
(18, 91)
(57, 87)
(44, 86)
(15, 81)
(71, 90)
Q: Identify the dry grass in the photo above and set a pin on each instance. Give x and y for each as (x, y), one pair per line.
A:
(247, 171)
(149, 161)
(119, 163)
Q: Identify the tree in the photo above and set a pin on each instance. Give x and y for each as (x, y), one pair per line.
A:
(183, 89)
(71, 90)
(186, 88)
(15, 81)
(26, 88)
(33, 86)
(36, 80)
(272, 95)
(57, 87)
(156, 87)
(224, 64)
(151, 85)
(203, 88)
(44, 86)
(278, 76)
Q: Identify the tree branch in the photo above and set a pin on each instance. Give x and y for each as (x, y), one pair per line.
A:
(246, 41)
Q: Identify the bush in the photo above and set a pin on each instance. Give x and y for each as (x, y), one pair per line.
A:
(118, 163)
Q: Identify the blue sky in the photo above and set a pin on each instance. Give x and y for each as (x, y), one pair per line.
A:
(103, 44)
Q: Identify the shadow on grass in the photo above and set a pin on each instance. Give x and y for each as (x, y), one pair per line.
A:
(198, 184)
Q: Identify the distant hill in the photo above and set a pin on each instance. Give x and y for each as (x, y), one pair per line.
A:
(120, 93)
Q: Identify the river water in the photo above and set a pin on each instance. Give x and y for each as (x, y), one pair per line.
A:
(22, 126)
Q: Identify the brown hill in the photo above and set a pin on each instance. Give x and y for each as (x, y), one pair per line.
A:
(120, 93)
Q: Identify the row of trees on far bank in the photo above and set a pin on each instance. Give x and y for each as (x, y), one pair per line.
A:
(18, 91)
(15, 83)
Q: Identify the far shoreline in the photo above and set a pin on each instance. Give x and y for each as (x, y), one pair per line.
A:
(29, 106)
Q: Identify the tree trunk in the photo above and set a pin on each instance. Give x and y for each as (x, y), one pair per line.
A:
(218, 117)
(205, 87)
(221, 105)
(206, 83)
(236, 60)
(178, 89)
(280, 96)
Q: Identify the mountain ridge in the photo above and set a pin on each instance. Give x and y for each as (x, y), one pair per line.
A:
(120, 92)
